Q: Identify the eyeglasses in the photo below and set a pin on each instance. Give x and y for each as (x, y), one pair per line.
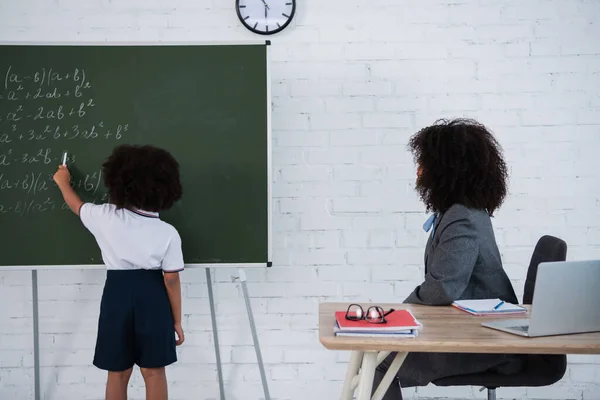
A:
(374, 314)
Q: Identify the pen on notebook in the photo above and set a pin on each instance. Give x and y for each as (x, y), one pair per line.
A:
(64, 160)
(499, 305)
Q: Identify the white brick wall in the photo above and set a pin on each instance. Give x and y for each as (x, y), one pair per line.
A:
(351, 81)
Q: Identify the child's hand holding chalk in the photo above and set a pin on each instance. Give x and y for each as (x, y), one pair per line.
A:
(62, 177)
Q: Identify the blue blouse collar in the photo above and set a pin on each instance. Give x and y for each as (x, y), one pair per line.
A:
(430, 223)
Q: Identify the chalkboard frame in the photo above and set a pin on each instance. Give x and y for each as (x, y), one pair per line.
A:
(267, 43)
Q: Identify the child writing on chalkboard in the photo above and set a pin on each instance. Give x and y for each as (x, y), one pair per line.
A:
(140, 311)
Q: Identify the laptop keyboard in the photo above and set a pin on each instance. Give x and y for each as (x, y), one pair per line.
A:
(520, 328)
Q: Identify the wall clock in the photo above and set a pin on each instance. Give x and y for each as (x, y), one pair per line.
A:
(265, 17)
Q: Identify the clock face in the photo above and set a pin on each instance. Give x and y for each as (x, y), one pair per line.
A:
(266, 17)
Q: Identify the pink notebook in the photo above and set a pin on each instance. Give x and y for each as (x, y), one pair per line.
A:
(399, 320)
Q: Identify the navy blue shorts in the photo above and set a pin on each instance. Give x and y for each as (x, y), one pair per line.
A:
(136, 323)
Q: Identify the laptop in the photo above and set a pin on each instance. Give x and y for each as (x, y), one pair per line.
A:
(566, 300)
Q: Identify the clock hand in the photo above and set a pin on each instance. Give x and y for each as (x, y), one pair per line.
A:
(266, 5)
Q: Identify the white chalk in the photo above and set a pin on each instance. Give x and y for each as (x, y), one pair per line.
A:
(64, 161)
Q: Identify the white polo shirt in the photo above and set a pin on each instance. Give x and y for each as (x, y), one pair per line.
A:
(133, 239)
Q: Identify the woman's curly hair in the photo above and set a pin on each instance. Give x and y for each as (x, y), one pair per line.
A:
(142, 177)
(461, 162)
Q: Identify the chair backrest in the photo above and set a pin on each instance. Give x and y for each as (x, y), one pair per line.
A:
(547, 249)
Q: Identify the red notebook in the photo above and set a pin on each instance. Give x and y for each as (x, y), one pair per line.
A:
(398, 320)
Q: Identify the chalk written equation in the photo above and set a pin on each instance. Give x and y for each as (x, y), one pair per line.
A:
(42, 112)
(25, 206)
(42, 184)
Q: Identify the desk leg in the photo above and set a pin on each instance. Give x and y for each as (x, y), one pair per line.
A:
(367, 373)
(356, 358)
(389, 376)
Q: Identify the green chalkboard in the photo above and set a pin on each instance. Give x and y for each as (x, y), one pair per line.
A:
(207, 104)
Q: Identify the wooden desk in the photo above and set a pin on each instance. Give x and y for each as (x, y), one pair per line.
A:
(445, 330)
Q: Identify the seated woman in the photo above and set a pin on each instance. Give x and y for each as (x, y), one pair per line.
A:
(462, 179)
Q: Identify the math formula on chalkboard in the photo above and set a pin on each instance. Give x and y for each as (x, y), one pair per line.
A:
(42, 111)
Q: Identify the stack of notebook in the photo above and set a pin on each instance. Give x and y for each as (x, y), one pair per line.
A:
(486, 307)
(400, 324)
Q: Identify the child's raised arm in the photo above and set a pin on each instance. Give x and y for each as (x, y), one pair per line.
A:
(62, 177)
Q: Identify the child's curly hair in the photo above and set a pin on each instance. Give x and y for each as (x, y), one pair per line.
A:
(142, 177)
(461, 162)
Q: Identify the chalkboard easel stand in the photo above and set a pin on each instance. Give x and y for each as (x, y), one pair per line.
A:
(241, 277)
(213, 320)
(36, 334)
(263, 377)
(261, 367)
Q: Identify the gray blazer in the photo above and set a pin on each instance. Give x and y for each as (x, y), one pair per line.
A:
(462, 261)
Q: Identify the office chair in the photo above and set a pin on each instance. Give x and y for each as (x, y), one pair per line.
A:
(540, 370)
